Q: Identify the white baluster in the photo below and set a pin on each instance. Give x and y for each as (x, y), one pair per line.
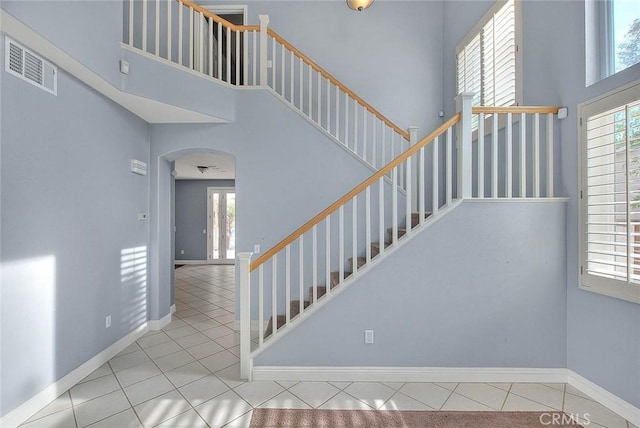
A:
(220, 58)
(228, 34)
(464, 145)
(254, 69)
(364, 134)
(210, 21)
(550, 155)
(245, 57)
(314, 255)
(169, 25)
(191, 38)
(354, 238)
(355, 126)
(421, 183)
(481, 155)
(310, 92)
(264, 49)
(328, 254)
(319, 99)
(157, 27)
(381, 229)
(435, 190)
(261, 305)
(341, 243)
(383, 146)
(509, 163)
(494, 155)
(301, 272)
(273, 65)
(449, 169)
(301, 62)
(287, 283)
(338, 112)
(201, 45)
(394, 204)
(374, 148)
(238, 63)
(282, 70)
(408, 196)
(536, 155)
(292, 79)
(523, 156)
(328, 128)
(131, 21)
(245, 315)
(346, 121)
(180, 23)
(144, 25)
(274, 295)
(367, 222)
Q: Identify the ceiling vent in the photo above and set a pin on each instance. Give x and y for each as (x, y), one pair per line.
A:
(30, 67)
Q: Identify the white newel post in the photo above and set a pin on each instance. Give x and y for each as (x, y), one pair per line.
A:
(245, 315)
(264, 38)
(463, 145)
(413, 140)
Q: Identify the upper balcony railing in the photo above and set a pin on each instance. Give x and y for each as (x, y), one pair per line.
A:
(191, 36)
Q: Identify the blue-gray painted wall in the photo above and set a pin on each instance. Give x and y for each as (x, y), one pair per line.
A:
(69, 231)
(482, 287)
(191, 217)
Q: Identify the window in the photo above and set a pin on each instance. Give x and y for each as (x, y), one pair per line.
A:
(610, 226)
(487, 59)
(612, 37)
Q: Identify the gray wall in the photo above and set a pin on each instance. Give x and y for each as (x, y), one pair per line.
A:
(496, 303)
(391, 55)
(603, 339)
(191, 217)
(69, 224)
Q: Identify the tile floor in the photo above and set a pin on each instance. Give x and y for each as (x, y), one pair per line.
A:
(187, 376)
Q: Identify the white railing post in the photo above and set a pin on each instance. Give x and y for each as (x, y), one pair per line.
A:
(264, 38)
(463, 145)
(413, 139)
(244, 260)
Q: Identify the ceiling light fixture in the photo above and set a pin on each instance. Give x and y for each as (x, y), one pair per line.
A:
(359, 5)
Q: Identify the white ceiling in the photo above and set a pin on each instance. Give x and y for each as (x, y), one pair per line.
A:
(221, 167)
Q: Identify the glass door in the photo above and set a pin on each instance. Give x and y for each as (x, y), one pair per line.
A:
(221, 227)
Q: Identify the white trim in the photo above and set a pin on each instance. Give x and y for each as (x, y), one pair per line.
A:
(604, 397)
(53, 391)
(411, 374)
(159, 324)
(172, 309)
(517, 200)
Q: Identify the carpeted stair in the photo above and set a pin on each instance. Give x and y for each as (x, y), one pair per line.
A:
(335, 276)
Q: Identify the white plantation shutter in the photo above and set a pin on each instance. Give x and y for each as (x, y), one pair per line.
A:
(486, 59)
(611, 195)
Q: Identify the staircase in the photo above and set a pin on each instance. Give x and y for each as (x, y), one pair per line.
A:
(335, 281)
(481, 152)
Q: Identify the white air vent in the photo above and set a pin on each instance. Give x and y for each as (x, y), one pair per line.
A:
(138, 167)
(30, 67)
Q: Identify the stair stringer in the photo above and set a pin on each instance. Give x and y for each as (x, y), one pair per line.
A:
(352, 279)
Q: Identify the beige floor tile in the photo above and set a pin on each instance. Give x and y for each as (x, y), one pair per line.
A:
(187, 374)
(147, 389)
(596, 411)
(373, 394)
(138, 373)
(203, 390)
(188, 419)
(285, 400)
(549, 397)
(126, 419)
(61, 419)
(515, 403)
(223, 409)
(314, 394)
(483, 393)
(100, 408)
(430, 394)
(63, 402)
(219, 361)
(457, 402)
(93, 389)
(256, 393)
(173, 361)
(344, 401)
(161, 408)
(399, 401)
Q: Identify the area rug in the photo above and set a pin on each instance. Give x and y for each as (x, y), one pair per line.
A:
(268, 418)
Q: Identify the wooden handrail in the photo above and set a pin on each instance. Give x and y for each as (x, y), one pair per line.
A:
(354, 192)
(336, 82)
(217, 18)
(515, 109)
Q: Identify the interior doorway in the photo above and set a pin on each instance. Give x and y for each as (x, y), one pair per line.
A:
(221, 225)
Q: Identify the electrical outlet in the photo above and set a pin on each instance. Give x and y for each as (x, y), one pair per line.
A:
(107, 321)
(181, 251)
(368, 337)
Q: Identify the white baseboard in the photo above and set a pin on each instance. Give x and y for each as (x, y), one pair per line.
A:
(173, 309)
(604, 397)
(53, 391)
(191, 262)
(161, 323)
(411, 374)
